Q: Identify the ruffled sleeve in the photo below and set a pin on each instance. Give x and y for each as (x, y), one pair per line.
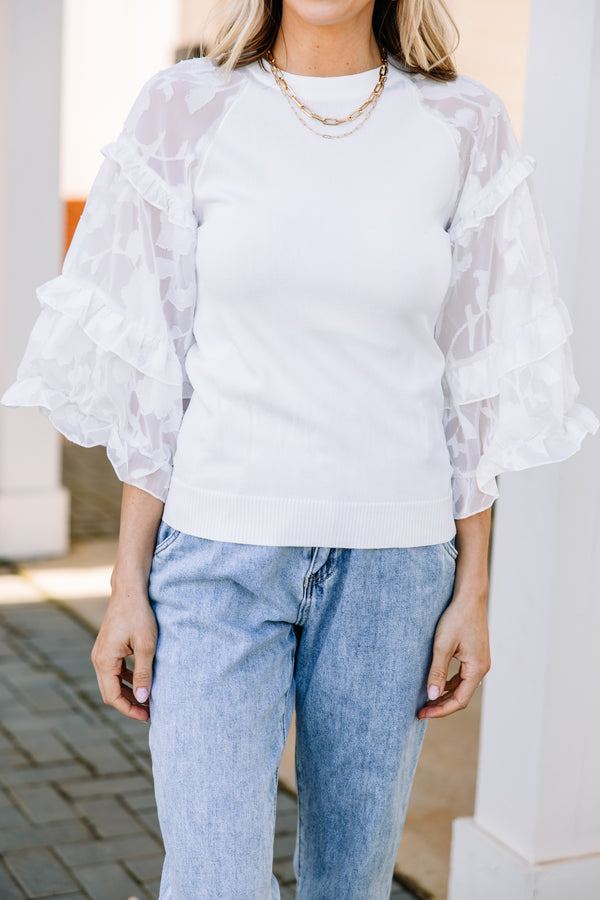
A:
(509, 386)
(105, 360)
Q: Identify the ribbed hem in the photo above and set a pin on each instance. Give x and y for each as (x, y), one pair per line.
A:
(299, 522)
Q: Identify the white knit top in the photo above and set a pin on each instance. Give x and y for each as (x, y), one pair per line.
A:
(299, 341)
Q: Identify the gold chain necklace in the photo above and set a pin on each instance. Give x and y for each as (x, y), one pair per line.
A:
(291, 98)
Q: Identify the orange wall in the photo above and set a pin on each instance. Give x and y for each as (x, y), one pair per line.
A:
(73, 210)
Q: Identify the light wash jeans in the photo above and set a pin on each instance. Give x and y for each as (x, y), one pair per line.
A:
(244, 631)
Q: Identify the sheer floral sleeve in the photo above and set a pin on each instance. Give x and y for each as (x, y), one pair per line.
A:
(105, 360)
(508, 383)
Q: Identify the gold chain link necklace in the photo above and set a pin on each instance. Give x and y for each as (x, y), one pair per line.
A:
(292, 99)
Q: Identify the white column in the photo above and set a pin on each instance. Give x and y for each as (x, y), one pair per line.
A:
(34, 507)
(536, 828)
(111, 48)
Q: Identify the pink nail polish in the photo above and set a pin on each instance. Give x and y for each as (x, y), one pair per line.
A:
(141, 695)
(433, 692)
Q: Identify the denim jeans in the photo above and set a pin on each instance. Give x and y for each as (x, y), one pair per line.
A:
(246, 630)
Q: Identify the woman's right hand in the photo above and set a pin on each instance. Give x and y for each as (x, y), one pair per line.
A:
(129, 625)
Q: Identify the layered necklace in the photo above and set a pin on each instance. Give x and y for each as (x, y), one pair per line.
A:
(365, 109)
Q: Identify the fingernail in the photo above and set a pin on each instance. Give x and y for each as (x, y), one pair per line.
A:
(141, 694)
(433, 692)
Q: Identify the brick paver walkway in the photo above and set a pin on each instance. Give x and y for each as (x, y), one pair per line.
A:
(77, 813)
(95, 491)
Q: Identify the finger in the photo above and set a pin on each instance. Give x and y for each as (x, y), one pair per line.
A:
(126, 680)
(438, 672)
(113, 694)
(108, 675)
(449, 686)
(108, 671)
(455, 699)
(142, 670)
(128, 694)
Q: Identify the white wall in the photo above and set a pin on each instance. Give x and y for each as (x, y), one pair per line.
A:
(493, 47)
(34, 510)
(194, 14)
(111, 47)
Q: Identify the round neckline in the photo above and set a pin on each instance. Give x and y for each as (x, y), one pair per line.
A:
(324, 86)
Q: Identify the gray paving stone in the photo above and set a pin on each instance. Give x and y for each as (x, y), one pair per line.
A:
(144, 761)
(85, 693)
(287, 821)
(284, 870)
(11, 818)
(76, 896)
(43, 804)
(108, 882)
(283, 846)
(12, 759)
(127, 788)
(8, 888)
(140, 801)
(145, 767)
(51, 647)
(11, 710)
(78, 724)
(81, 853)
(7, 696)
(43, 835)
(90, 693)
(19, 674)
(26, 652)
(46, 700)
(399, 893)
(108, 817)
(6, 651)
(15, 715)
(39, 873)
(76, 666)
(145, 867)
(136, 741)
(40, 744)
(132, 729)
(150, 820)
(34, 774)
(48, 621)
(285, 801)
(104, 757)
(153, 888)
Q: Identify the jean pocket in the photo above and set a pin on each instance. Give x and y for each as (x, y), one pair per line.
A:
(165, 536)
(450, 548)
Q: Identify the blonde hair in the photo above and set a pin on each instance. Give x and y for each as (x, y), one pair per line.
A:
(415, 32)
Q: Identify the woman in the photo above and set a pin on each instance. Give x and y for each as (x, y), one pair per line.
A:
(308, 360)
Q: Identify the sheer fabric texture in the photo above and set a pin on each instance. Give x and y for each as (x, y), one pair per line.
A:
(509, 385)
(106, 357)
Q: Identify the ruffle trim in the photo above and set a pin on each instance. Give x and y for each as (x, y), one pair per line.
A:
(148, 183)
(553, 445)
(479, 379)
(109, 328)
(82, 427)
(493, 195)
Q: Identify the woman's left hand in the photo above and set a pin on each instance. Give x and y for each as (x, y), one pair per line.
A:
(462, 629)
(462, 632)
